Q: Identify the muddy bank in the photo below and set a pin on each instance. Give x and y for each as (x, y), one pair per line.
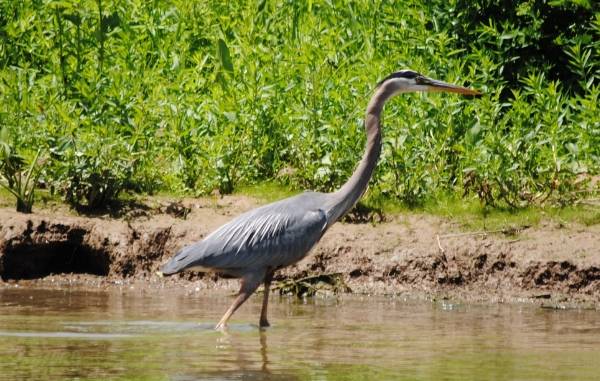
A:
(406, 254)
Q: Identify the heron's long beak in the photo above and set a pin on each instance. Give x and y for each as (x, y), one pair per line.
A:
(160, 274)
(435, 85)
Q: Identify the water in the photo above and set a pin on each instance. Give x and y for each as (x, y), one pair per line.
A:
(167, 335)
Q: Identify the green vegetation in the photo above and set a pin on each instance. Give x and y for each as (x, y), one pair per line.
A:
(267, 191)
(193, 97)
(19, 181)
(474, 217)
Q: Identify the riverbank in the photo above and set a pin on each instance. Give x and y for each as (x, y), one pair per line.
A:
(552, 262)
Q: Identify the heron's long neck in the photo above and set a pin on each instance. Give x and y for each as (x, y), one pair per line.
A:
(345, 198)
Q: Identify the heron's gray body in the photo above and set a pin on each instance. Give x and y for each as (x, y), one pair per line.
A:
(258, 242)
(272, 236)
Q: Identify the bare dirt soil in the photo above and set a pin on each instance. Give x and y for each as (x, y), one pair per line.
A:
(410, 254)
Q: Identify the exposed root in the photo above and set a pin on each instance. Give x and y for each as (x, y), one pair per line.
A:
(313, 285)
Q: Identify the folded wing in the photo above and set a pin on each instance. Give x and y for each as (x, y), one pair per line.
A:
(274, 235)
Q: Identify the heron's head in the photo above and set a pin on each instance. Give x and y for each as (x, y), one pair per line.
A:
(404, 81)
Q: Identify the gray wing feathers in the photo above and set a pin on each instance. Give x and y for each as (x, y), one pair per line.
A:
(274, 235)
(263, 239)
(250, 232)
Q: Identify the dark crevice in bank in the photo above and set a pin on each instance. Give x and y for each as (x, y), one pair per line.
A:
(62, 253)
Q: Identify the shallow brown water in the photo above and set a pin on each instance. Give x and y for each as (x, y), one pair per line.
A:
(161, 335)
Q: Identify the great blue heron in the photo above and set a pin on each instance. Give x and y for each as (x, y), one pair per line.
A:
(257, 243)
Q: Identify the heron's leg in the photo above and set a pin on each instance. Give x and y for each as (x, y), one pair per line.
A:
(263, 313)
(249, 284)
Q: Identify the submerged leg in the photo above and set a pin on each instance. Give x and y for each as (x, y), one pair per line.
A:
(263, 313)
(249, 284)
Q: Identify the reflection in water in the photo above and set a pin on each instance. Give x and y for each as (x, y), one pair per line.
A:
(263, 349)
(236, 345)
(54, 334)
(237, 351)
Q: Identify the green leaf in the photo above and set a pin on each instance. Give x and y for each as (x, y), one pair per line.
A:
(224, 56)
(261, 6)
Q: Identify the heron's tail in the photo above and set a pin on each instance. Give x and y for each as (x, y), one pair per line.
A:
(171, 268)
(181, 261)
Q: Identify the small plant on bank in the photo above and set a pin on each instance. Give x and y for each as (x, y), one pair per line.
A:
(15, 177)
(94, 175)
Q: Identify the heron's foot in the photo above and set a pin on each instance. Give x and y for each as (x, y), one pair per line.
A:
(264, 323)
(221, 327)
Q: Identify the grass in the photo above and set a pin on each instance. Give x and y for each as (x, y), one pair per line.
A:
(43, 199)
(266, 192)
(472, 215)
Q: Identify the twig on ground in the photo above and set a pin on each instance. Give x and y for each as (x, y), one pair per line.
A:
(590, 201)
(507, 231)
(440, 244)
(483, 232)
